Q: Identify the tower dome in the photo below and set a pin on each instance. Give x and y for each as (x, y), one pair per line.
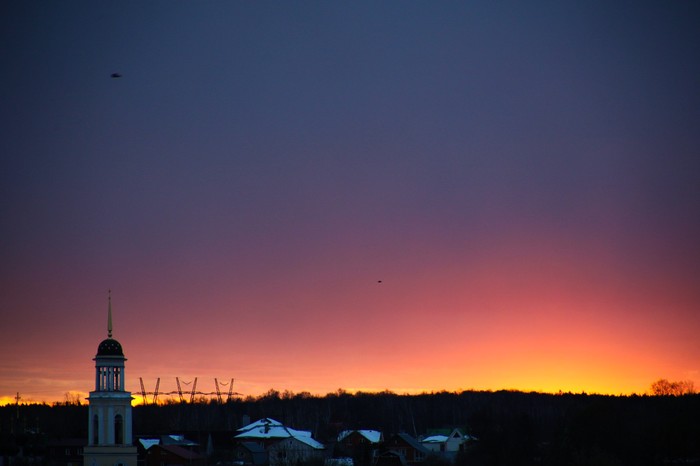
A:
(110, 439)
(109, 361)
(110, 347)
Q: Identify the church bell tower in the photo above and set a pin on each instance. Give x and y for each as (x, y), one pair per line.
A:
(109, 426)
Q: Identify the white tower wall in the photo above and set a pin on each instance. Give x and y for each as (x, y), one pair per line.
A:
(110, 436)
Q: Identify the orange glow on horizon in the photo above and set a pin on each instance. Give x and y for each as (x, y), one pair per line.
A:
(546, 319)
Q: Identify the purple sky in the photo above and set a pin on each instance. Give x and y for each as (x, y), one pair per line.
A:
(503, 168)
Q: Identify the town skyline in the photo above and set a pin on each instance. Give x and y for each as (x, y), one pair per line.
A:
(411, 196)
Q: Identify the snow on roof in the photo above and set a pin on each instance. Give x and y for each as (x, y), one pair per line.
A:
(175, 439)
(266, 421)
(269, 428)
(310, 442)
(274, 432)
(265, 432)
(373, 436)
(149, 442)
(435, 439)
(299, 433)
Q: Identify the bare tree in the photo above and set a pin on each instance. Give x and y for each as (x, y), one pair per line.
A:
(664, 387)
(72, 398)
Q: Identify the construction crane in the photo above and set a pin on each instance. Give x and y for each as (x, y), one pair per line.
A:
(182, 393)
(144, 393)
(218, 392)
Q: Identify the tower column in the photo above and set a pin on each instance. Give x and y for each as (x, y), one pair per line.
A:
(127, 428)
(110, 426)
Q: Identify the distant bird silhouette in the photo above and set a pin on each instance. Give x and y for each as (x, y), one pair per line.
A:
(116, 75)
(379, 281)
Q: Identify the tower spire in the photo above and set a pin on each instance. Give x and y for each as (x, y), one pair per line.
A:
(109, 314)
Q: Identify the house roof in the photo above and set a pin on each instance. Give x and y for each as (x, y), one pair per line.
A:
(181, 452)
(173, 439)
(167, 440)
(267, 428)
(373, 436)
(443, 435)
(266, 421)
(310, 442)
(148, 442)
(435, 439)
(413, 443)
(270, 428)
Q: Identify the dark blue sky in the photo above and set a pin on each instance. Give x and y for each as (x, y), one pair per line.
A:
(272, 152)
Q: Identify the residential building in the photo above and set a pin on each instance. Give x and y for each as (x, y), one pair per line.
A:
(172, 455)
(450, 441)
(360, 445)
(250, 454)
(402, 447)
(284, 446)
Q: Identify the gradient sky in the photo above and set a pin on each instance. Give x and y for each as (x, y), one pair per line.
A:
(523, 178)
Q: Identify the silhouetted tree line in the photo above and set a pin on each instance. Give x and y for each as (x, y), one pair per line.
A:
(512, 428)
(678, 388)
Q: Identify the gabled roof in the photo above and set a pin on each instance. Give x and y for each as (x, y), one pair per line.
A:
(435, 439)
(266, 421)
(413, 443)
(267, 428)
(443, 435)
(148, 442)
(373, 436)
(450, 432)
(167, 440)
(173, 439)
(181, 452)
(310, 442)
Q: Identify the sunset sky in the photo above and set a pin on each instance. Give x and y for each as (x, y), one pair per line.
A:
(307, 196)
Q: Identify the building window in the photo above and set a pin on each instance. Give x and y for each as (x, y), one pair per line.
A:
(118, 429)
(95, 430)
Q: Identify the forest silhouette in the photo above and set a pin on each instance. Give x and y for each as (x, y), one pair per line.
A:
(511, 427)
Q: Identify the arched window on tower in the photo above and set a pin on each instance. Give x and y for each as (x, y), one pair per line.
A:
(95, 430)
(118, 429)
